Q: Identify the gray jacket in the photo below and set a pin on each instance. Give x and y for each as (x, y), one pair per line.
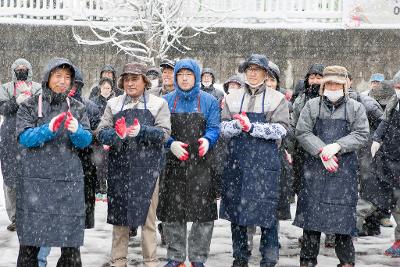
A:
(156, 105)
(355, 115)
(385, 119)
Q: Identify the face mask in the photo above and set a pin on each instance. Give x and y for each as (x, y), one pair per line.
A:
(254, 86)
(21, 75)
(397, 93)
(333, 96)
(207, 84)
(154, 83)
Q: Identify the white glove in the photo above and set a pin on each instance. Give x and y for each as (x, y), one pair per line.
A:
(374, 148)
(329, 151)
(331, 164)
(179, 150)
(204, 145)
(288, 157)
(134, 130)
(71, 124)
(22, 97)
(22, 86)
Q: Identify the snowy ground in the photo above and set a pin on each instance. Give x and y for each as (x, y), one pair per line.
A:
(97, 246)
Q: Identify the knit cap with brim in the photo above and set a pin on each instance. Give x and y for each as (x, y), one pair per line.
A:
(334, 74)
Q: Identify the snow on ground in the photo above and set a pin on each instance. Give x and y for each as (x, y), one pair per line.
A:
(96, 250)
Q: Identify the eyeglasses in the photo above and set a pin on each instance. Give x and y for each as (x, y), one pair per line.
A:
(183, 74)
(254, 69)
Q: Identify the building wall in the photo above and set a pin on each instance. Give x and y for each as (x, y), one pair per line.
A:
(362, 52)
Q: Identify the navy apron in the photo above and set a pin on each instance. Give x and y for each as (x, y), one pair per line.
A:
(250, 181)
(187, 188)
(134, 167)
(327, 201)
(50, 192)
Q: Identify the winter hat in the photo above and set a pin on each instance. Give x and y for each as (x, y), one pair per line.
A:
(396, 78)
(335, 74)
(153, 71)
(317, 69)
(209, 71)
(166, 63)
(377, 77)
(134, 68)
(274, 70)
(232, 79)
(255, 59)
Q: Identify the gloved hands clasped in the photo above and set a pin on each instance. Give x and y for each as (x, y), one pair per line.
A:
(179, 149)
(71, 123)
(328, 158)
(122, 130)
(243, 121)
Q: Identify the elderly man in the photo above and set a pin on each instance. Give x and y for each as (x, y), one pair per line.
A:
(254, 119)
(50, 191)
(135, 125)
(331, 128)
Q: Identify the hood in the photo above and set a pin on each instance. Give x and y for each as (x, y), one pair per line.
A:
(234, 78)
(210, 71)
(193, 66)
(396, 78)
(109, 68)
(26, 63)
(51, 65)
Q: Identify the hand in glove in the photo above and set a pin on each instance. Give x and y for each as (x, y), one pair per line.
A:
(106, 148)
(244, 121)
(331, 165)
(71, 124)
(375, 147)
(328, 151)
(134, 130)
(23, 87)
(55, 122)
(204, 145)
(22, 97)
(179, 150)
(288, 157)
(120, 128)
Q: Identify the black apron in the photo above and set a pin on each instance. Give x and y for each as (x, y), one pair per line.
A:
(187, 188)
(134, 167)
(327, 202)
(387, 166)
(250, 182)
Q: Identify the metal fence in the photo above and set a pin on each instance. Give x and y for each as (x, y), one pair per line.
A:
(237, 11)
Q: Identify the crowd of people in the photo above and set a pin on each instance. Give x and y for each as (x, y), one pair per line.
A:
(164, 144)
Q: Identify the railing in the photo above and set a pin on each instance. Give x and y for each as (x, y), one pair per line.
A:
(240, 11)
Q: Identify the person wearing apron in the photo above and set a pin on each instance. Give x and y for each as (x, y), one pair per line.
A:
(52, 127)
(386, 152)
(135, 125)
(12, 94)
(254, 119)
(187, 189)
(331, 128)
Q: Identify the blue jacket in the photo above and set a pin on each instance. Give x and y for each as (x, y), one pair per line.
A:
(187, 101)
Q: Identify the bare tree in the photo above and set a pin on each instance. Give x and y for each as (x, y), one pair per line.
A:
(147, 29)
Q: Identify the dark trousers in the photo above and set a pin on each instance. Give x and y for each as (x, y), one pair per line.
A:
(269, 244)
(344, 248)
(28, 257)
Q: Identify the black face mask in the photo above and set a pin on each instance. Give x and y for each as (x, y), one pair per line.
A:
(21, 75)
(313, 90)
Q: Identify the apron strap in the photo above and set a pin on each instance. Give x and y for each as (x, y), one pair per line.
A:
(144, 100)
(40, 106)
(15, 91)
(263, 102)
(68, 104)
(176, 101)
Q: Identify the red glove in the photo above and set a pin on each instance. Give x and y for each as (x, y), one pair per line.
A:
(134, 129)
(71, 123)
(106, 147)
(204, 145)
(179, 150)
(120, 128)
(55, 122)
(244, 121)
